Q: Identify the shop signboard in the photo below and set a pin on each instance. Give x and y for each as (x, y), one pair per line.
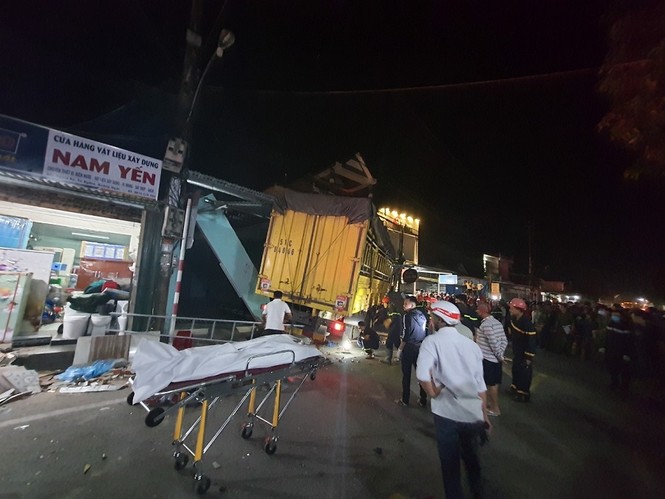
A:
(73, 160)
(447, 279)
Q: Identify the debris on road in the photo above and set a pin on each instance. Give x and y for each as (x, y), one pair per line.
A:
(92, 388)
(91, 371)
(100, 376)
(19, 378)
(7, 358)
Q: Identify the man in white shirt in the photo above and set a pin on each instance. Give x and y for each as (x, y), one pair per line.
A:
(450, 370)
(275, 314)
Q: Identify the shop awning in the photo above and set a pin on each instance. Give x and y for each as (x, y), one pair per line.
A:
(23, 188)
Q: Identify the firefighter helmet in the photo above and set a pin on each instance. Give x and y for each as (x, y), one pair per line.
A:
(518, 303)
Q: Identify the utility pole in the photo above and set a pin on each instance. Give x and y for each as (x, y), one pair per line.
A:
(174, 161)
(167, 225)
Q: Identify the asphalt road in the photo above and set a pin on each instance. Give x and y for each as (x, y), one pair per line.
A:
(343, 436)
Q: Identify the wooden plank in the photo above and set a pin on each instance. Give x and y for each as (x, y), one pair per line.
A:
(109, 347)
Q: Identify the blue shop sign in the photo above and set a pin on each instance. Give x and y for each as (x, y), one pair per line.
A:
(22, 145)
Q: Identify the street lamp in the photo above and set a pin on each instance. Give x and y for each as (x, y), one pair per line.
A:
(225, 40)
(177, 149)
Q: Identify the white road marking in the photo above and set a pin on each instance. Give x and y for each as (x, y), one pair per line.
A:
(59, 412)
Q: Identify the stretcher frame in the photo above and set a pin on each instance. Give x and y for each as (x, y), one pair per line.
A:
(209, 391)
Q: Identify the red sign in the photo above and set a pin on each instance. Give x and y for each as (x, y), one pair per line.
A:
(265, 284)
(341, 302)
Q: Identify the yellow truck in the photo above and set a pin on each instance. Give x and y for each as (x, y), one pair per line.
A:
(330, 256)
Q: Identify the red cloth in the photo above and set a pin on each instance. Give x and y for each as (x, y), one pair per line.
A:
(110, 285)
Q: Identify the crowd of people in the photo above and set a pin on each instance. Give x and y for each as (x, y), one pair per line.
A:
(630, 342)
(457, 344)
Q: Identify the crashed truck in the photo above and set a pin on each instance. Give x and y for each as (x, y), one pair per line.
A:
(331, 256)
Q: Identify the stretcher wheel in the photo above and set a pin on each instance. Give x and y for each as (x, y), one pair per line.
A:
(130, 398)
(270, 447)
(154, 417)
(181, 461)
(247, 431)
(201, 484)
(312, 376)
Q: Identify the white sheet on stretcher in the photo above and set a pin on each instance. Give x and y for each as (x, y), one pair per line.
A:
(157, 364)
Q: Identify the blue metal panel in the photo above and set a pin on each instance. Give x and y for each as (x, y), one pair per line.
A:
(233, 258)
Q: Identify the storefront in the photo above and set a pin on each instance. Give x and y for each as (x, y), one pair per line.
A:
(81, 202)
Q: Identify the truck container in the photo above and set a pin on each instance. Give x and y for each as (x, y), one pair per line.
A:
(329, 255)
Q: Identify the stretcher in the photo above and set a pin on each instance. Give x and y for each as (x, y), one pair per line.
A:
(250, 383)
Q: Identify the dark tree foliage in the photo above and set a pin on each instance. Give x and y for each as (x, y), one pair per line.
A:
(633, 78)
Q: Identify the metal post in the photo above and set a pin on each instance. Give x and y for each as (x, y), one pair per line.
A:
(181, 264)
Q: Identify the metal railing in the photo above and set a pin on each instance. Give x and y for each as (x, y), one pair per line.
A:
(197, 331)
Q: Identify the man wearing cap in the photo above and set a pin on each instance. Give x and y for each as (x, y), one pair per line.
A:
(450, 369)
(523, 336)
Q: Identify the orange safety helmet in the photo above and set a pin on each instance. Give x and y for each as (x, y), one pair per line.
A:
(518, 303)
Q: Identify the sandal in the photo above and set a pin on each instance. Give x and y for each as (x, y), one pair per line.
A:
(401, 403)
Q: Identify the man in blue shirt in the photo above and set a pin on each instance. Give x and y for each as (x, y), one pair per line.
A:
(413, 333)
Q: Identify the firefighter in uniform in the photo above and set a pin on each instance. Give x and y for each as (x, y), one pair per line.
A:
(523, 335)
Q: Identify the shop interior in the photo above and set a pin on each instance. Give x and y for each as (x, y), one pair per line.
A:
(48, 256)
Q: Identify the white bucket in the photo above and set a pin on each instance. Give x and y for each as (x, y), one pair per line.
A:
(121, 308)
(74, 325)
(99, 324)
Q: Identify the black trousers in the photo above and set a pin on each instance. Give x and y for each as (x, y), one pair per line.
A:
(522, 375)
(458, 441)
(408, 362)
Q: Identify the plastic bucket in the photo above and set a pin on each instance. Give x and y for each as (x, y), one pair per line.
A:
(99, 324)
(74, 325)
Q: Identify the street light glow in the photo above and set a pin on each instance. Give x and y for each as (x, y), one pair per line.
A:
(226, 39)
(399, 217)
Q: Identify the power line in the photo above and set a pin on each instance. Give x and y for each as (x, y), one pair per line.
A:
(426, 88)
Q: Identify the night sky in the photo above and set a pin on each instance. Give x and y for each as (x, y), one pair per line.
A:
(478, 117)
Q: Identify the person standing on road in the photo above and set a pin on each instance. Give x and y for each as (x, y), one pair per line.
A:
(469, 317)
(619, 352)
(275, 314)
(413, 333)
(492, 341)
(450, 369)
(523, 336)
(393, 339)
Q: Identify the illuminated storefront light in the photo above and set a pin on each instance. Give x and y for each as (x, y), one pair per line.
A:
(399, 218)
